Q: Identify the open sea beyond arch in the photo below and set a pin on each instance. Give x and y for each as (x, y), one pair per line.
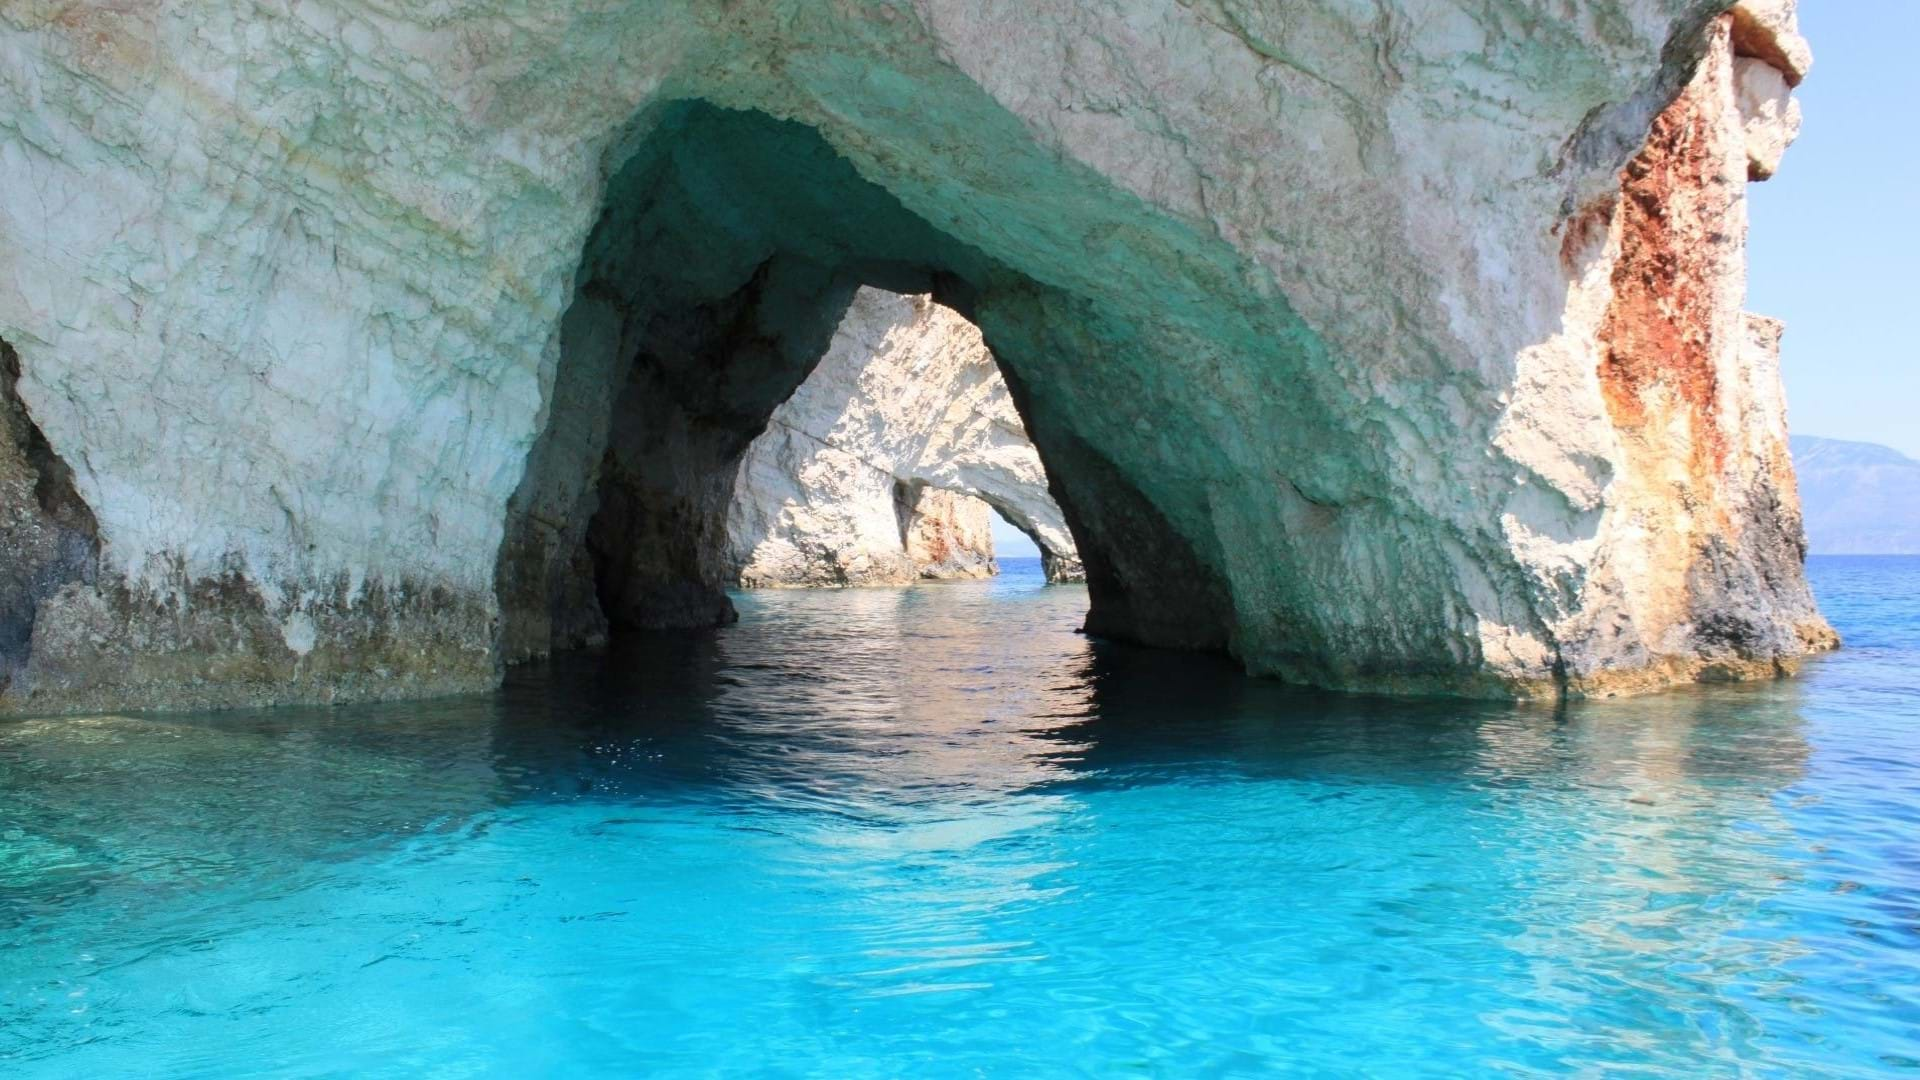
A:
(934, 831)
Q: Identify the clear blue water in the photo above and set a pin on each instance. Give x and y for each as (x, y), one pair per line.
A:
(935, 832)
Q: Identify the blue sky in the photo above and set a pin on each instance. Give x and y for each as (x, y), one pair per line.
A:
(1836, 234)
(1009, 542)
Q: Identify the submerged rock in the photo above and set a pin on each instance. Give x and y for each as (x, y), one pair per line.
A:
(1395, 349)
(882, 466)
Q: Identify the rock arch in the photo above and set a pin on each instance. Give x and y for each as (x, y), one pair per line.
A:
(730, 250)
(358, 327)
(905, 419)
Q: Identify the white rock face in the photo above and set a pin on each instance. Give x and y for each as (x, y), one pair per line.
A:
(1769, 30)
(384, 341)
(1769, 113)
(950, 536)
(861, 467)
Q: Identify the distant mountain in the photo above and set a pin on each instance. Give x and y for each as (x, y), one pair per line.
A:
(1859, 498)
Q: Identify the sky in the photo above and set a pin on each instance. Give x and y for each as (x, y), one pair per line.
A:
(1011, 543)
(1834, 243)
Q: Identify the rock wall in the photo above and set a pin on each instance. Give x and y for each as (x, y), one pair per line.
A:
(881, 467)
(1393, 347)
(949, 535)
(1703, 515)
(47, 534)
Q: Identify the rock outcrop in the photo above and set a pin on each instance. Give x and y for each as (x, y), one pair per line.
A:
(949, 535)
(882, 466)
(48, 539)
(1394, 347)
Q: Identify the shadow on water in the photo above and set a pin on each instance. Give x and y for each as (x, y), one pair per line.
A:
(875, 704)
(860, 814)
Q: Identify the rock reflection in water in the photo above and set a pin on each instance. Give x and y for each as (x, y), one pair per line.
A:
(702, 850)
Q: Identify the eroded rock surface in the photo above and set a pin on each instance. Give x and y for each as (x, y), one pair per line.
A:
(882, 466)
(1393, 346)
(48, 539)
(949, 535)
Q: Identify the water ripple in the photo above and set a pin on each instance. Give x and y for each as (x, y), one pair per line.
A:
(934, 831)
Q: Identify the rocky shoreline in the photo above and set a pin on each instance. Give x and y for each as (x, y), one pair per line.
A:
(357, 352)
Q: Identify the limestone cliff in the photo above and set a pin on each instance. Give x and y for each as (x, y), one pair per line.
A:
(881, 467)
(1392, 346)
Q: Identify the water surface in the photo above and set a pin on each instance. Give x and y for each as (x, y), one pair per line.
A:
(934, 831)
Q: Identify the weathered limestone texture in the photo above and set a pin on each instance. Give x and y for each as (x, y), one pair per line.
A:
(881, 467)
(1703, 480)
(950, 536)
(1393, 346)
(47, 534)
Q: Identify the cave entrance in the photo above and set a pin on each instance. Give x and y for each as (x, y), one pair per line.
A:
(891, 462)
(1011, 542)
(730, 248)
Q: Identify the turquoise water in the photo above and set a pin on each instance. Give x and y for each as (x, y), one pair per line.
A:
(935, 832)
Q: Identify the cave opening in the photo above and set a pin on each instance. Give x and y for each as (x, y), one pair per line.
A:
(890, 463)
(1010, 541)
(730, 248)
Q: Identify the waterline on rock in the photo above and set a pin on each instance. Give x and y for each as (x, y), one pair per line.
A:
(934, 829)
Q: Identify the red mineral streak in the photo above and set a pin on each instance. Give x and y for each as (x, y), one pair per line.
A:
(1658, 338)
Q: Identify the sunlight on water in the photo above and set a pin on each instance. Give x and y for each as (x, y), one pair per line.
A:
(935, 831)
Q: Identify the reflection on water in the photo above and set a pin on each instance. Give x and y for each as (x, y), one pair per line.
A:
(936, 830)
